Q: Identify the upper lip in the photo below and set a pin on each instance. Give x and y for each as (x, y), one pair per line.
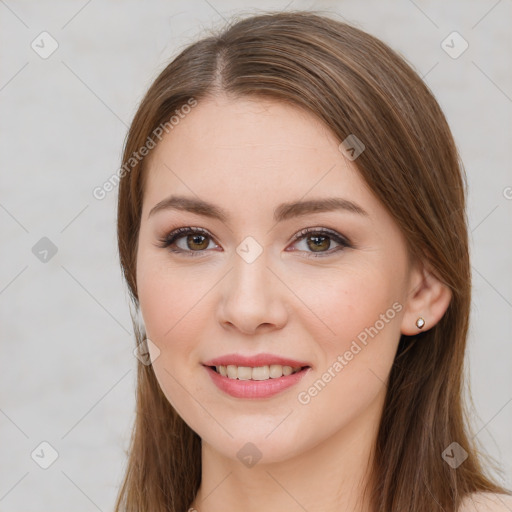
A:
(254, 361)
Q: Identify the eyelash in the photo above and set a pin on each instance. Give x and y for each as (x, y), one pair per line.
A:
(173, 236)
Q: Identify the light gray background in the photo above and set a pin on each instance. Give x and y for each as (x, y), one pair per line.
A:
(67, 368)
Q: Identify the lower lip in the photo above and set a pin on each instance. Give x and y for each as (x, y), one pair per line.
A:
(255, 388)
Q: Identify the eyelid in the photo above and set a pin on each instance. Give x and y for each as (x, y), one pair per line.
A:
(170, 238)
(326, 231)
(175, 234)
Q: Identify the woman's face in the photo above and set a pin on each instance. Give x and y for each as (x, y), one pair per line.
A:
(251, 175)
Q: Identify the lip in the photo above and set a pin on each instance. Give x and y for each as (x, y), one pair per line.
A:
(255, 388)
(254, 361)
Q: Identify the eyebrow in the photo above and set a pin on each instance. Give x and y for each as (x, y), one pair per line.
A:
(283, 212)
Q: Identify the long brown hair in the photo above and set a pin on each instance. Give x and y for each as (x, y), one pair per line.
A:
(357, 85)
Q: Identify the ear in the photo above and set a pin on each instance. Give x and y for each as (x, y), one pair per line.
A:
(428, 298)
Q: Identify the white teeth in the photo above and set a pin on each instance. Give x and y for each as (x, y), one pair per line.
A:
(244, 373)
(274, 371)
(259, 373)
(231, 371)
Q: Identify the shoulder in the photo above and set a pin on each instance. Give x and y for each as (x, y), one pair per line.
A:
(486, 502)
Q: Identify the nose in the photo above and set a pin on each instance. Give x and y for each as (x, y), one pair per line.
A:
(252, 298)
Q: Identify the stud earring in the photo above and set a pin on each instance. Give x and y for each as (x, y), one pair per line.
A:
(420, 323)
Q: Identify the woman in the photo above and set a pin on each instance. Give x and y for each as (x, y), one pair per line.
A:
(292, 229)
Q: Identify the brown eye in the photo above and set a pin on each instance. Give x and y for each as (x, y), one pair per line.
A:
(197, 242)
(318, 243)
(189, 241)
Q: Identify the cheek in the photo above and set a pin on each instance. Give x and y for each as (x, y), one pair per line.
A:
(175, 306)
(362, 308)
(169, 299)
(349, 302)
(171, 313)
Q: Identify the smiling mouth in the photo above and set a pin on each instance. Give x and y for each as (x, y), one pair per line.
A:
(273, 371)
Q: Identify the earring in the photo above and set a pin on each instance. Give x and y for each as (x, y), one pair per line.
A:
(420, 323)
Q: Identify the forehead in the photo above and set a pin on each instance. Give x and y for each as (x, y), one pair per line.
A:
(248, 119)
(249, 151)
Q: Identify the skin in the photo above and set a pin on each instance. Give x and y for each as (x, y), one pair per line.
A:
(247, 156)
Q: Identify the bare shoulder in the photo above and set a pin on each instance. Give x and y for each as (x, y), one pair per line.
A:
(486, 502)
